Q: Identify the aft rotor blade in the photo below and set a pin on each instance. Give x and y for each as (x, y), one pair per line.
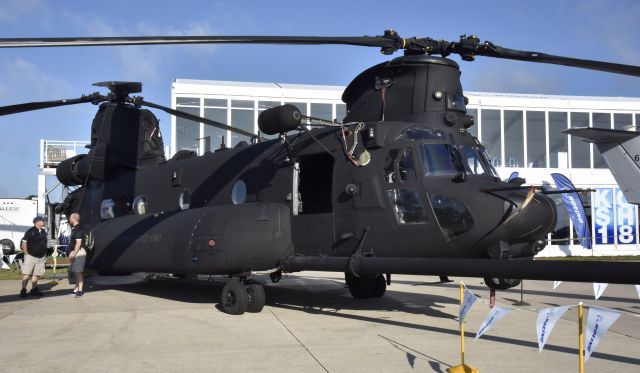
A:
(29, 106)
(196, 118)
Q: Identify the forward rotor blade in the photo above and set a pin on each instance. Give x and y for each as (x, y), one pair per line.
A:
(29, 106)
(367, 41)
(196, 118)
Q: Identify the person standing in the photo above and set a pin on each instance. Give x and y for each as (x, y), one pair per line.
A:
(34, 247)
(77, 255)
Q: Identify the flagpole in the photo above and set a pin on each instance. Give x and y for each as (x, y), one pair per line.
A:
(580, 339)
(461, 325)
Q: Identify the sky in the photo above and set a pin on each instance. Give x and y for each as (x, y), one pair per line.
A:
(590, 29)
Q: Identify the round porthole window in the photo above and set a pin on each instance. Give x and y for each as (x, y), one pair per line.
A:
(185, 200)
(140, 205)
(239, 192)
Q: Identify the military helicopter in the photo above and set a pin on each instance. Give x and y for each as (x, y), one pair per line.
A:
(399, 186)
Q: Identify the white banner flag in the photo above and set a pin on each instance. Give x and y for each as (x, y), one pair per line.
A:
(556, 284)
(638, 290)
(598, 289)
(496, 314)
(600, 319)
(467, 301)
(12, 258)
(547, 319)
(4, 265)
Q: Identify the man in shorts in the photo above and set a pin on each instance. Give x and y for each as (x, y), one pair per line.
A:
(77, 255)
(34, 247)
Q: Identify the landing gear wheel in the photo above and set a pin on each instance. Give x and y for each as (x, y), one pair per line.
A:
(360, 287)
(380, 286)
(255, 297)
(501, 283)
(234, 298)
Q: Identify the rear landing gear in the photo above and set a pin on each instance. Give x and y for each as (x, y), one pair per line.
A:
(239, 297)
(366, 287)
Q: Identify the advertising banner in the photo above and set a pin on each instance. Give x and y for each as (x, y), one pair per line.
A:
(547, 319)
(496, 314)
(468, 301)
(603, 216)
(576, 211)
(600, 319)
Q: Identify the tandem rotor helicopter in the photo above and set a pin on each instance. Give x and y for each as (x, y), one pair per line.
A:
(399, 186)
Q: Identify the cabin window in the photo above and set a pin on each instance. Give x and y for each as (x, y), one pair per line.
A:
(453, 216)
(419, 133)
(315, 183)
(239, 192)
(407, 206)
(399, 166)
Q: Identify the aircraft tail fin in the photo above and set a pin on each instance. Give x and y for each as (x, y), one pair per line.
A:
(621, 151)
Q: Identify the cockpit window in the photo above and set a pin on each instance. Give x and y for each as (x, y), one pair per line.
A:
(473, 161)
(399, 166)
(456, 102)
(419, 133)
(407, 206)
(440, 159)
(453, 216)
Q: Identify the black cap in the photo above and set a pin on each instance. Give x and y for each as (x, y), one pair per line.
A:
(38, 218)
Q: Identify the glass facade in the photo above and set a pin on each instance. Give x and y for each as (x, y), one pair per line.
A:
(240, 113)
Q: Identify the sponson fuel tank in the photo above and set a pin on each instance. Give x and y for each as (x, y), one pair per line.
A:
(216, 239)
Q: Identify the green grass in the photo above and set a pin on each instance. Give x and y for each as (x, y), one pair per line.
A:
(15, 274)
(621, 258)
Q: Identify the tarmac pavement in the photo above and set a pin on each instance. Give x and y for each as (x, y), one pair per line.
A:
(310, 324)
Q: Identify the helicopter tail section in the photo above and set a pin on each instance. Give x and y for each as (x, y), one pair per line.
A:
(621, 151)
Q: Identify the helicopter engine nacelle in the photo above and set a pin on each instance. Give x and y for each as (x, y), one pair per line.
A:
(279, 119)
(73, 171)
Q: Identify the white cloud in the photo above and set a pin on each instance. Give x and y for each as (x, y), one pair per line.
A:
(14, 11)
(22, 80)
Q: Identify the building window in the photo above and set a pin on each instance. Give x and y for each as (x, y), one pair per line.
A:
(580, 157)
(187, 131)
(242, 117)
(600, 120)
(216, 110)
(536, 140)
(558, 140)
(491, 135)
(622, 121)
(322, 111)
(513, 139)
(341, 111)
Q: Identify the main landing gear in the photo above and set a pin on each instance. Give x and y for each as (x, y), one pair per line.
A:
(363, 287)
(239, 296)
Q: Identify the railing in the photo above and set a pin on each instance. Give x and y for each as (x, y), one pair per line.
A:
(53, 152)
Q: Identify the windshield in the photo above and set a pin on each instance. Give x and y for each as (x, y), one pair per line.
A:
(474, 162)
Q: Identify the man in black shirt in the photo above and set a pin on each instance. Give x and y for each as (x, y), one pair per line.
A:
(77, 253)
(34, 247)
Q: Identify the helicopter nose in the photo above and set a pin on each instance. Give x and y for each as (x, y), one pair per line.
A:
(532, 217)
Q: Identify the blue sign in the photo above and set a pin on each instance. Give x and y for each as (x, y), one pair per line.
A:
(625, 219)
(603, 216)
(614, 218)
